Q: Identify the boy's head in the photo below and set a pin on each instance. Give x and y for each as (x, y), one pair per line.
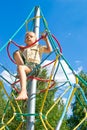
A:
(30, 38)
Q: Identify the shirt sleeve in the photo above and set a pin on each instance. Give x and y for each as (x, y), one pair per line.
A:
(42, 49)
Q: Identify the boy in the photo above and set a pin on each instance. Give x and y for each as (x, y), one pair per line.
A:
(33, 57)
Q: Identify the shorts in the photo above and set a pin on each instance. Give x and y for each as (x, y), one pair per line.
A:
(31, 65)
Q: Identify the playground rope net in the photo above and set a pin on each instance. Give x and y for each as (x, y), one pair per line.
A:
(45, 86)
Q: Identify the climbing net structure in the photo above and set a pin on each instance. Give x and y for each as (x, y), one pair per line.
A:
(53, 63)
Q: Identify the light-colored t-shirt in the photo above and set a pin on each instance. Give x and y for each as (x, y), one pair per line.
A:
(33, 53)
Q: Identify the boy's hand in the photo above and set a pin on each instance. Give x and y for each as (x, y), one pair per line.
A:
(44, 36)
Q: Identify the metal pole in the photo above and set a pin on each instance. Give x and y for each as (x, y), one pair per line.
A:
(33, 82)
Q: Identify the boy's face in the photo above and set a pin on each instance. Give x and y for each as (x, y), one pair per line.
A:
(30, 38)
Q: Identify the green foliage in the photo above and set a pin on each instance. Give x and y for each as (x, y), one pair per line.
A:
(2, 102)
(55, 114)
(7, 111)
(79, 107)
(53, 117)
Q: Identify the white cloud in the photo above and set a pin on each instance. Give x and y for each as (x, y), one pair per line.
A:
(67, 34)
(77, 61)
(7, 76)
(8, 79)
(64, 100)
(79, 69)
(60, 76)
(69, 111)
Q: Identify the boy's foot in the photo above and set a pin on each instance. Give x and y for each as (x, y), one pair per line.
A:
(22, 97)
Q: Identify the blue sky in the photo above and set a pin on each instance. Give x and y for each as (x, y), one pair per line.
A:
(67, 20)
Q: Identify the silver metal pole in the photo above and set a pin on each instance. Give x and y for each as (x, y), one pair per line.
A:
(33, 82)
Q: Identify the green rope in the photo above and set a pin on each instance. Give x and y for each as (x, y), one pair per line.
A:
(81, 79)
(65, 73)
(76, 94)
(49, 34)
(6, 107)
(16, 31)
(26, 114)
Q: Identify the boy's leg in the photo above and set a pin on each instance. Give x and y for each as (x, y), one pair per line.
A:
(18, 58)
(22, 73)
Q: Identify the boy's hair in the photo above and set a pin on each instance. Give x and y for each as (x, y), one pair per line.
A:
(30, 32)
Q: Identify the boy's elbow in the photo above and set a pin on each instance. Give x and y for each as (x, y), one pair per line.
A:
(50, 50)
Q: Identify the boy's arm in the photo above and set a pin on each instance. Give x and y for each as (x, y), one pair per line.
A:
(48, 48)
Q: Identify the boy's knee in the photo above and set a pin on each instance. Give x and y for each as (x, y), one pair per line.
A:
(15, 53)
(20, 67)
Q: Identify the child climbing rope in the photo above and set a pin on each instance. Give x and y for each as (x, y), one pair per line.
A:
(27, 59)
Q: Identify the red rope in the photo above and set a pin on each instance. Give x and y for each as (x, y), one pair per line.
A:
(57, 43)
(48, 64)
(9, 53)
(31, 77)
(37, 78)
(31, 44)
(21, 47)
